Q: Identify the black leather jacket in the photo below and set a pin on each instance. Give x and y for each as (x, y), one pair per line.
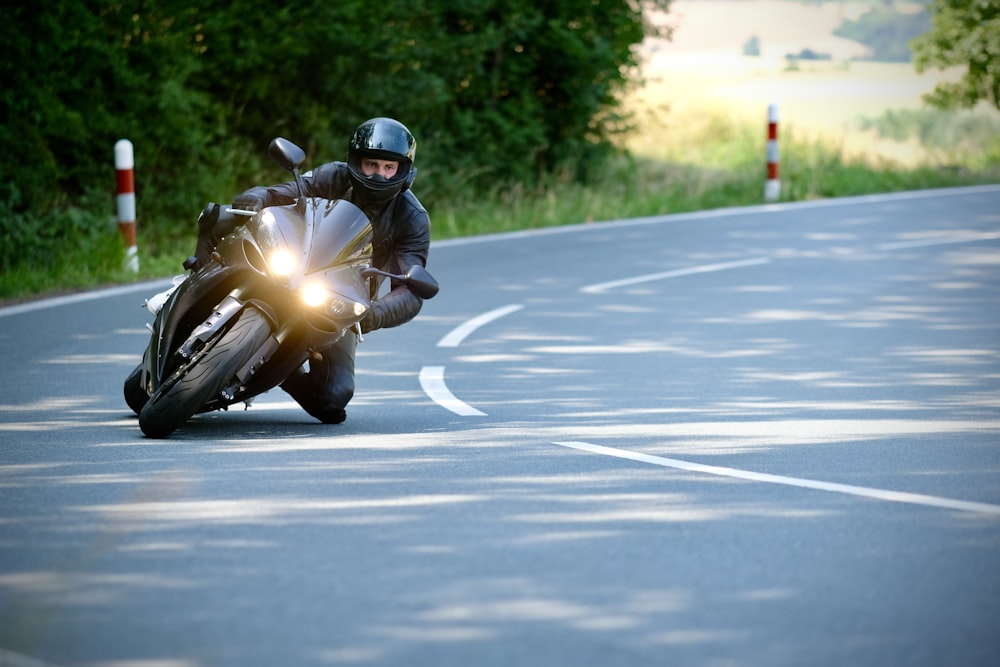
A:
(401, 236)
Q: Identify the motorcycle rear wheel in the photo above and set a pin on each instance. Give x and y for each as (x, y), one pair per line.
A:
(179, 399)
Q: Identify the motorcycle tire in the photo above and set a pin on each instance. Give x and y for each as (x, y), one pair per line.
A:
(178, 400)
(135, 394)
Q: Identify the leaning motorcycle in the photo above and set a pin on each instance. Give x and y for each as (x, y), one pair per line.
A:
(291, 281)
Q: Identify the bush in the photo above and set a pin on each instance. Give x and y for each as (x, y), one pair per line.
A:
(958, 136)
(808, 54)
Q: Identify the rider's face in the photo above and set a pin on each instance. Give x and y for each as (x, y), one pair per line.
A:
(372, 166)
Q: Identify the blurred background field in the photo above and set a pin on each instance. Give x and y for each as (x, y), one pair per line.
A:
(703, 76)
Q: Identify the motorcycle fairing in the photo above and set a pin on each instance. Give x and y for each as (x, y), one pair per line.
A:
(175, 319)
(336, 232)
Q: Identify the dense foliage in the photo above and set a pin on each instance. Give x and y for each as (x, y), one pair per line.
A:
(966, 33)
(494, 90)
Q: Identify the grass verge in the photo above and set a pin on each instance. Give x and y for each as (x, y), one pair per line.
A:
(719, 163)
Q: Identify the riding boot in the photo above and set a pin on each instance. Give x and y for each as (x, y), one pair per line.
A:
(326, 389)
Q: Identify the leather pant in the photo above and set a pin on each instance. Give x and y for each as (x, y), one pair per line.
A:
(328, 387)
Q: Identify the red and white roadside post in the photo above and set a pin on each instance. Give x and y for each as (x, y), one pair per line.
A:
(772, 186)
(124, 167)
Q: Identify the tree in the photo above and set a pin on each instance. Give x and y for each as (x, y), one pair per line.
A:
(966, 33)
(886, 31)
(535, 85)
(495, 91)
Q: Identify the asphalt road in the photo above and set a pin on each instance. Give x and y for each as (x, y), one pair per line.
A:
(763, 436)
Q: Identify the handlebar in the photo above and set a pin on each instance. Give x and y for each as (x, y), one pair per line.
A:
(238, 211)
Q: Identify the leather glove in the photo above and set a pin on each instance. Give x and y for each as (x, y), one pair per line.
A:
(247, 202)
(372, 319)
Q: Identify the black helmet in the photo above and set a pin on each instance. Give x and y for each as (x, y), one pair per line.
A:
(382, 139)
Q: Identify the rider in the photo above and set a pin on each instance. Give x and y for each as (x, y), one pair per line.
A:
(377, 178)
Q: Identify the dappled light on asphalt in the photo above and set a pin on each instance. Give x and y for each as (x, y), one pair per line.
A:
(412, 535)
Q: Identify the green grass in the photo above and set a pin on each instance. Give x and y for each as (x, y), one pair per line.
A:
(720, 164)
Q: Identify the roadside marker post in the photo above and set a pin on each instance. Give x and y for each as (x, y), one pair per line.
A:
(772, 186)
(124, 168)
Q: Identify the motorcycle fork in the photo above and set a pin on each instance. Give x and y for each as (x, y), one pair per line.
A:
(261, 357)
(228, 308)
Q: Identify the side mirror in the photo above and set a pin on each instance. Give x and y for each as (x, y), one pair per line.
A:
(286, 154)
(421, 282)
(417, 279)
(289, 156)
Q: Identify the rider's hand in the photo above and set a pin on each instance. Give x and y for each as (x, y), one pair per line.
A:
(248, 203)
(372, 320)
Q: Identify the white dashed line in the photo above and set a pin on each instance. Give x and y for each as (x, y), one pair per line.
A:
(432, 377)
(706, 268)
(432, 381)
(461, 332)
(923, 243)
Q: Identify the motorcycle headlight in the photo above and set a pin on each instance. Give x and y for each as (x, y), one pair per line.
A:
(315, 295)
(345, 309)
(282, 263)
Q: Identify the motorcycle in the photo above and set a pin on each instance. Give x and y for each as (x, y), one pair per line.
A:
(292, 280)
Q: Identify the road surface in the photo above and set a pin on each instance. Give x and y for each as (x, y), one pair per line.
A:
(762, 436)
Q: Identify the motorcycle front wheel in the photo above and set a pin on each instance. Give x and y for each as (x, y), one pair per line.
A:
(195, 384)
(135, 394)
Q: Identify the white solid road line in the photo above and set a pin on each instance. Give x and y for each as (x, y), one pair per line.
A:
(878, 494)
(150, 287)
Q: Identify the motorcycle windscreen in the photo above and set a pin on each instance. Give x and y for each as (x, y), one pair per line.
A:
(341, 234)
(280, 228)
